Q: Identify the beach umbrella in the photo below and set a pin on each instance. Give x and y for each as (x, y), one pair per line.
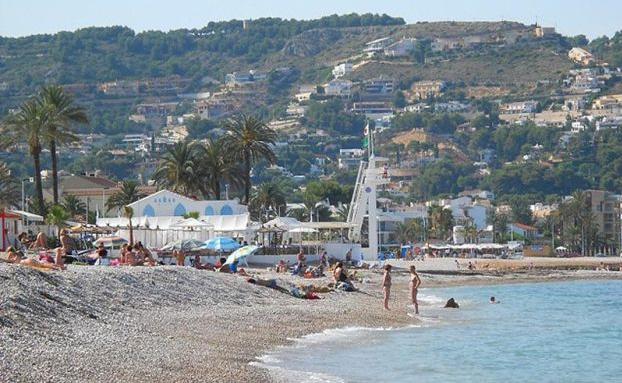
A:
(221, 244)
(183, 245)
(240, 253)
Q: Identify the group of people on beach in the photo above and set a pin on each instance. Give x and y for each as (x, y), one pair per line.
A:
(136, 255)
(415, 283)
(54, 261)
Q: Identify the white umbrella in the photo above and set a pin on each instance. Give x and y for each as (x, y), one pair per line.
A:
(302, 230)
(240, 253)
(190, 222)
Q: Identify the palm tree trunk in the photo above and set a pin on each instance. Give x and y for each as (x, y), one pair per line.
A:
(247, 177)
(38, 185)
(216, 189)
(131, 231)
(54, 170)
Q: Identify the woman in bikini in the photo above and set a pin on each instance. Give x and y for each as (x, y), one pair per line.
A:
(415, 282)
(386, 285)
(16, 258)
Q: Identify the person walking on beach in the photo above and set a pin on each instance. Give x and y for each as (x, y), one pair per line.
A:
(415, 282)
(386, 285)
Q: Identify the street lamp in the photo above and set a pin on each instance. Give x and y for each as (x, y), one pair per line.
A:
(24, 193)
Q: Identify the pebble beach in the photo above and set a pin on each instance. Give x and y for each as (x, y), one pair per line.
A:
(171, 324)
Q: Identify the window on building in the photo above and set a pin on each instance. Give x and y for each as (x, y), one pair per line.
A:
(180, 210)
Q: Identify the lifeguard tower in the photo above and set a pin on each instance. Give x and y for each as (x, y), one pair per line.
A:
(371, 174)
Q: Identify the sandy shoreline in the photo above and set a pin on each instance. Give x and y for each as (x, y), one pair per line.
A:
(182, 325)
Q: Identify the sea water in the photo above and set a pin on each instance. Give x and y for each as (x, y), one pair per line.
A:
(540, 332)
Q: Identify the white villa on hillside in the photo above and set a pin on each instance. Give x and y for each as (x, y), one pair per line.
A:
(342, 70)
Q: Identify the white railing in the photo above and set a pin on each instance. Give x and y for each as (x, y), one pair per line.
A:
(357, 208)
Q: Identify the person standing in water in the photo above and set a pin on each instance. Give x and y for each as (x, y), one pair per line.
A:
(415, 282)
(386, 285)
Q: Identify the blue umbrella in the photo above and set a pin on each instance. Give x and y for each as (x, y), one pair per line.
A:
(221, 244)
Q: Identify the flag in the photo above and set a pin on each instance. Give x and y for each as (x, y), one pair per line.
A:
(366, 136)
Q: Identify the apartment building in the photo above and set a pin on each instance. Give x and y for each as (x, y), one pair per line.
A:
(606, 210)
(340, 88)
(401, 48)
(613, 101)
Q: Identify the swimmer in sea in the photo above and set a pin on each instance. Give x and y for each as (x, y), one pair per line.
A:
(493, 300)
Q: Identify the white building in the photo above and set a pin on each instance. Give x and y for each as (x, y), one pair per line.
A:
(379, 86)
(373, 110)
(521, 107)
(465, 210)
(340, 88)
(165, 203)
(585, 85)
(350, 158)
(342, 70)
(609, 123)
(159, 219)
(377, 46)
(451, 106)
(401, 48)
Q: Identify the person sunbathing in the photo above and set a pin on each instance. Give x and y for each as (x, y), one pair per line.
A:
(100, 256)
(60, 253)
(281, 267)
(16, 258)
(180, 257)
(41, 243)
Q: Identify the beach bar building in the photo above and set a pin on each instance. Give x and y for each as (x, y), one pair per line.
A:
(161, 218)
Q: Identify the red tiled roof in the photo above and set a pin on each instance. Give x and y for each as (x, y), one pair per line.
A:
(522, 226)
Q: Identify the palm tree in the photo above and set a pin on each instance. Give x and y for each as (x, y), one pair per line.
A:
(417, 228)
(217, 166)
(301, 214)
(128, 194)
(249, 140)
(28, 125)
(57, 216)
(578, 226)
(342, 212)
(470, 232)
(441, 221)
(178, 169)
(73, 205)
(403, 232)
(269, 197)
(128, 212)
(63, 115)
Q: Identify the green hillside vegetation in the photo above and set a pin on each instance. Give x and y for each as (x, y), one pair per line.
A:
(111, 53)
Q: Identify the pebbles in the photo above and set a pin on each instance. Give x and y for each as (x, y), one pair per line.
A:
(164, 324)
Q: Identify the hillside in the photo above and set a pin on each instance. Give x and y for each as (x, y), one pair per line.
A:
(96, 55)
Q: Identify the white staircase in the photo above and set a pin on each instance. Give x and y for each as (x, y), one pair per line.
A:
(358, 205)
